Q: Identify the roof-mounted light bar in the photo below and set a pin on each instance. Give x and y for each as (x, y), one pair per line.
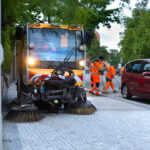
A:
(55, 24)
(31, 24)
(76, 26)
(37, 24)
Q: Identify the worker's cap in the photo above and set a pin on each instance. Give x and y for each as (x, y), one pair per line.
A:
(94, 60)
(101, 57)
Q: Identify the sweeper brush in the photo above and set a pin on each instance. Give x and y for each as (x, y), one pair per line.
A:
(24, 113)
(50, 95)
(50, 71)
(82, 109)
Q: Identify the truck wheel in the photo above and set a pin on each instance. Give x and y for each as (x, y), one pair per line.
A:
(125, 92)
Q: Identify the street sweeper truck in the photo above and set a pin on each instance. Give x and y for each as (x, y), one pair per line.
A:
(51, 61)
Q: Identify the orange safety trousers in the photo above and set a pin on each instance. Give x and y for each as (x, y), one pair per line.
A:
(95, 81)
(92, 80)
(95, 78)
(109, 83)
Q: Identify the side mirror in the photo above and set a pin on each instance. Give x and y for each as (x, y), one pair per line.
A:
(87, 37)
(147, 69)
(19, 33)
(31, 46)
(146, 74)
(82, 47)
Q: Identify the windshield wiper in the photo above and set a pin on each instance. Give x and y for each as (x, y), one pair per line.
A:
(65, 61)
(69, 55)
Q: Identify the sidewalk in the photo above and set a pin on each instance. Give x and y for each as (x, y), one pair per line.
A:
(116, 125)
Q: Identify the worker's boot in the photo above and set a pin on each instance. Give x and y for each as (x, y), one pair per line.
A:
(97, 93)
(91, 91)
(114, 91)
(105, 92)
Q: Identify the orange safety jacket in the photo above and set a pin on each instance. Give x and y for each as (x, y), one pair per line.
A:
(96, 67)
(121, 70)
(100, 65)
(110, 72)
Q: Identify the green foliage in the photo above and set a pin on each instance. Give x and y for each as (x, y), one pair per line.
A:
(14, 13)
(18, 12)
(94, 50)
(136, 38)
(7, 43)
(114, 57)
(87, 12)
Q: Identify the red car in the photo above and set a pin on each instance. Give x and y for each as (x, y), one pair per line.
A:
(135, 80)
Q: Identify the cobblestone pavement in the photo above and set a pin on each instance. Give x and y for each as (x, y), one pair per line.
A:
(117, 125)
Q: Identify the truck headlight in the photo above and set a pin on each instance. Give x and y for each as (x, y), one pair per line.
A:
(82, 63)
(30, 61)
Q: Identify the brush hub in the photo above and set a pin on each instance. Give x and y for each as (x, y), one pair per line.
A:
(86, 104)
(25, 107)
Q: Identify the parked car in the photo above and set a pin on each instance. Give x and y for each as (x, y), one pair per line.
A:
(135, 80)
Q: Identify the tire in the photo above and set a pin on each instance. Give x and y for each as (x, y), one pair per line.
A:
(125, 92)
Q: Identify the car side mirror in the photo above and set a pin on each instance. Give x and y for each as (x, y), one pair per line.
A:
(147, 68)
(31, 46)
(146, 74)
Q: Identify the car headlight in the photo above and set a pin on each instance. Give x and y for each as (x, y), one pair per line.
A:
(30, 61)
(82, 63)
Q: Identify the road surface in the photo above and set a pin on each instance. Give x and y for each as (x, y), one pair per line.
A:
(118, 124)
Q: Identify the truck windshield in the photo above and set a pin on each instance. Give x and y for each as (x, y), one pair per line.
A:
(54, 44)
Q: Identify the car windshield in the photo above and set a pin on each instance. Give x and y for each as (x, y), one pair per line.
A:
(54, 44)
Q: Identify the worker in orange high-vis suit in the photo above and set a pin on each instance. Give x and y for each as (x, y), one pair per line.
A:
(121, 71)
(101, 68)
(109, 76)
(91, 76)
(95, 77)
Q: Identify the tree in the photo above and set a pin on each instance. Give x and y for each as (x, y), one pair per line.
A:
(87, 12)
(14, 13)
(113, 57)
(94, 50)
(135, 41)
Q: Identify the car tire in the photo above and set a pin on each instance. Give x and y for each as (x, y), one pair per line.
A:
(125, 92)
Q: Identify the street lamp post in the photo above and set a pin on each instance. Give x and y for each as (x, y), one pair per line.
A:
(1, 60)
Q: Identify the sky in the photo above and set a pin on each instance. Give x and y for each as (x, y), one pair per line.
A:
(111, 37)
